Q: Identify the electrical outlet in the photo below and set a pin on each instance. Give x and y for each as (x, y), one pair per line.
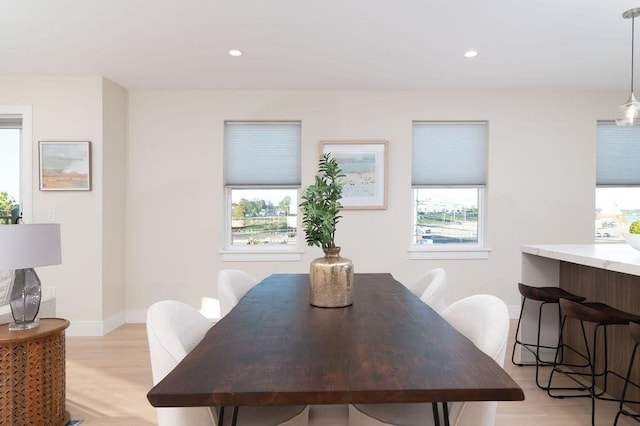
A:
(51, 215)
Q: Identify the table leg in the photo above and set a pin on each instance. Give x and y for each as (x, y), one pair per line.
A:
(445, 413)
(234, 416)
(436, 415)
(221, 416)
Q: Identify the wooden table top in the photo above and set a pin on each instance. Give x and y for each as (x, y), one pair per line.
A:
(274, 348)
(47, 326)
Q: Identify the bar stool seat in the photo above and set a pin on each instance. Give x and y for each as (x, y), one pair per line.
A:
(602, 315)
(546, 295)
(598, 312)
(634, 330)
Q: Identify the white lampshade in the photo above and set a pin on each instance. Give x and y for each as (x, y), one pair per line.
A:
(29, 245)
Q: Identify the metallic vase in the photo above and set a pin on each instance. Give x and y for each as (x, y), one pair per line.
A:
(331, 280)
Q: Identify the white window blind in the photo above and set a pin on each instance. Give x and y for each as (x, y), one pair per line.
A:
(10, 121)
(618, 155)
(262, 153)
(449, 153)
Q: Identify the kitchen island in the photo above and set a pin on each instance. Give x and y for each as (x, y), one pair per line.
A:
(608, 273)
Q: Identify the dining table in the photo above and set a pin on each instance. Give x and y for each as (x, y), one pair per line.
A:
(274, 348)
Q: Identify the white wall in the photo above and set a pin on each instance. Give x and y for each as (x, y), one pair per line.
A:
(165, 239)
(71, 108)
(540, 184)
(113, 174)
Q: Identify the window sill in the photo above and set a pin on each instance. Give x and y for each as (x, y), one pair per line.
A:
(443, 253)
(261, 255)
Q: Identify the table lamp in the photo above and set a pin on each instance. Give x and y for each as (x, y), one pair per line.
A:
(23, 247)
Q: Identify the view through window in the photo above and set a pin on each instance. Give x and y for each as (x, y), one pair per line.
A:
(448, 176)
(616, 209)
(9, 175)
(446, 215)
(264, 216)
(617, 180)
(262, 179)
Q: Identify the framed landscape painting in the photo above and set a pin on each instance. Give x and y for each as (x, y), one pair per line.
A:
(364, 164)
(65, 166)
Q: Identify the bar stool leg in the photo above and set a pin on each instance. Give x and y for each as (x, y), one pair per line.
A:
(539, 362)
(591, 357)
(592, 389)
(516, 341)
(601, 316)
(557, 365)
(621, 409)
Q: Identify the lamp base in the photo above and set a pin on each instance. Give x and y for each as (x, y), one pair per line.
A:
(25, 299)
(24, 326)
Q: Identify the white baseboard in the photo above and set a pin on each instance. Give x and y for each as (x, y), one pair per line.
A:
(113, 322)
(96, 328)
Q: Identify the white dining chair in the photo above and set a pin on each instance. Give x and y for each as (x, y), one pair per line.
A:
(430, 288)
(173, 330)
(484, 320)
(233, 284)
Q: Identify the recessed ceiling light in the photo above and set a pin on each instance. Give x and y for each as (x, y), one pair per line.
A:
(470, 54)
(234, 52)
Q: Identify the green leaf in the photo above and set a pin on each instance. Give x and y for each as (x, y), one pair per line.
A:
(321, 204)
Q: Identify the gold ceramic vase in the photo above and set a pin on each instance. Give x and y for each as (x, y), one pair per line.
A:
(331, 280)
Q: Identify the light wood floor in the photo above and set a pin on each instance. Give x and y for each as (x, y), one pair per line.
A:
(108, 378)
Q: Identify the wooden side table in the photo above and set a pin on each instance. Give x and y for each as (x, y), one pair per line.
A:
(32, 375)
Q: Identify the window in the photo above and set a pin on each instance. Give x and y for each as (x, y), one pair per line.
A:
(262, 182)
(448, 180)
(15, 163)
(617, 180)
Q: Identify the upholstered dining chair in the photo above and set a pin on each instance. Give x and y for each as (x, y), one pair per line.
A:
(484, 320)
(430, 288)
(173, 330)
(232, 285)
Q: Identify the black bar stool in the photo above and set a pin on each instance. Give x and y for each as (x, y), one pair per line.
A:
(546, 295)
(602, 315)
(634, 330)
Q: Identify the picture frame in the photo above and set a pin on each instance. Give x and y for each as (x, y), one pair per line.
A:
(364, 163)
(65, 165)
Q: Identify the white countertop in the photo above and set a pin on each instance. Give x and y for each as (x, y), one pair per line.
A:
(613, 257)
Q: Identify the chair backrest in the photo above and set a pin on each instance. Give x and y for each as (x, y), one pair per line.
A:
(483, 319)
(430, 288)
(232, 285)
(173, 330)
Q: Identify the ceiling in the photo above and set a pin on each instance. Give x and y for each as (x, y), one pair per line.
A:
(324, 45)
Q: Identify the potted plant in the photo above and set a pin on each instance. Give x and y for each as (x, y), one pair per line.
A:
(633, 236)
(331, 276)
(321, 204)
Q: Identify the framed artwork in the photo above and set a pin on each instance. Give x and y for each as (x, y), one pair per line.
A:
(65, 166)
(364, 164)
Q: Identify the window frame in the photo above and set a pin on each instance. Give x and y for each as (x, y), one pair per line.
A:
(609, 239)
(26, 157)
(267, 252)
(610, 163)
(259, 252)
(479, 250)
